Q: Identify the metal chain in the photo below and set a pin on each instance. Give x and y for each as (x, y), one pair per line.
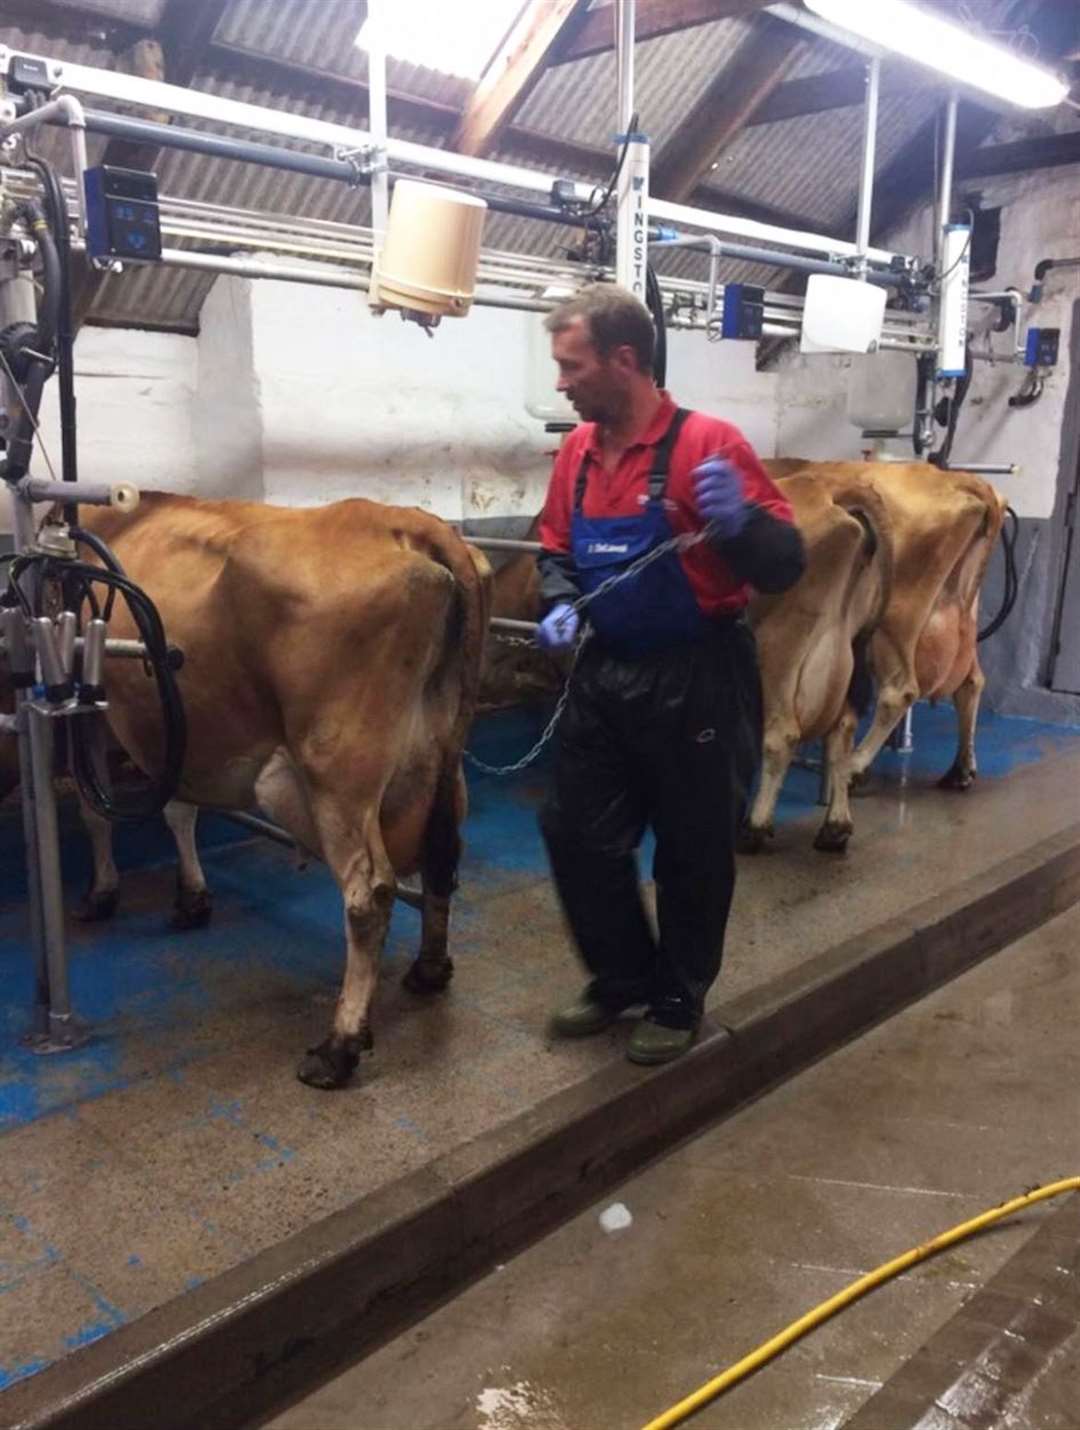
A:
(544, 740)
(526, 641)
(677, 543)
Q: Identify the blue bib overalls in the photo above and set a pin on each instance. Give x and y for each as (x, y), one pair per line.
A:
(656, 608)
(661, 730)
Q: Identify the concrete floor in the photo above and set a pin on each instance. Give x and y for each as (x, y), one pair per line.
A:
(950, 1108)
(178, 1143)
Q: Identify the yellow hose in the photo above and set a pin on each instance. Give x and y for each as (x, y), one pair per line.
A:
(772, 1348)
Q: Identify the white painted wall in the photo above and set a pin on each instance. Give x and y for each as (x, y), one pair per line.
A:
(134, 393)
(355, 405)
(1040, 218)
(226, 418)
(720, 378)
(299, 396)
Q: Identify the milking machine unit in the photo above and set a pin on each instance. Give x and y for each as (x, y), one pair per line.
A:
(62, 582)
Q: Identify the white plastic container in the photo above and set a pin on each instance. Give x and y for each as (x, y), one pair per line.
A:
(841, 315)
(430, 254)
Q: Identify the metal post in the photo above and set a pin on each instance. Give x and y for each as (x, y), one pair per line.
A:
(39, 1031)
(501, 543)
(948, 161)
(507, 623)
(62, 1033)
(54, 1028)
(624, 20)
(377, 117)
(632, 226)
(869, 161)
(984, 469)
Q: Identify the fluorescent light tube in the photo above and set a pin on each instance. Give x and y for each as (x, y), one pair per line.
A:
(929, 39)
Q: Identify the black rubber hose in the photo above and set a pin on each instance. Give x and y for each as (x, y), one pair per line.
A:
(1029, 394)
(48, 316)
(79, 577)
(105, 555)
(161, 788)
(941, 457)
(20, 439)
(925, 364)
(1009, 540)
(56, 207)
(654, 300)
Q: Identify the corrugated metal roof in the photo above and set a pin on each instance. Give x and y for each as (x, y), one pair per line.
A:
(162, 297)
(807, 166)
(577, 100)
(774, 163)
(320, 34)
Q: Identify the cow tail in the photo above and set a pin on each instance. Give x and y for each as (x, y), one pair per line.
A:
(867, 507)
(860, 694)
(466, 632)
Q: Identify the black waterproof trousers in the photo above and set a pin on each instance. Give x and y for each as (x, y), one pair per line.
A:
(670, 741)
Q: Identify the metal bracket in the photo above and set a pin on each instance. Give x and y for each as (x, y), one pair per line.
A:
(364, 160)
(66, 1032)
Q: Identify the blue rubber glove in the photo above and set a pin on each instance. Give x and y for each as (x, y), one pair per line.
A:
(721, 501)
(558, 630)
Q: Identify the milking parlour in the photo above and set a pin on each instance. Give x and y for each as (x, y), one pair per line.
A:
(539, 711)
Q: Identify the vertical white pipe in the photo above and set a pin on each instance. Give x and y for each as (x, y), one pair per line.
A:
(377, 117)
(624, 19)
(869, 160)
(632, 195)
(948, 161)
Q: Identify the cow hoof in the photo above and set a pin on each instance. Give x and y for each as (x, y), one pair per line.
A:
(192, 910)
(959, 778)
(97, 908)
(833, 838)
(333, 1062)
(425, 978)
(753, 840)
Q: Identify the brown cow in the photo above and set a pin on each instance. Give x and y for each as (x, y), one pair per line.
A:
(945, 526)
(332, 661)
(516, 673)
(812, 640)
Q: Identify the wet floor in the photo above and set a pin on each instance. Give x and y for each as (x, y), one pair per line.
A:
(178, 1143)
(953, 1106)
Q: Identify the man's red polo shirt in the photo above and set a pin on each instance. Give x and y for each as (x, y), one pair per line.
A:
(625, 491)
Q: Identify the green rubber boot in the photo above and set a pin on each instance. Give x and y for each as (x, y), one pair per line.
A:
(581, 1019)
(652, 1044)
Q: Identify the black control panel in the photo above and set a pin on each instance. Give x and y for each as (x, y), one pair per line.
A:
(122, 216)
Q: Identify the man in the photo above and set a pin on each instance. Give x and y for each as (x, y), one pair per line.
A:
(662, 725)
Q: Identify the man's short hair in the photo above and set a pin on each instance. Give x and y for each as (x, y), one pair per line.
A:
(613, 318)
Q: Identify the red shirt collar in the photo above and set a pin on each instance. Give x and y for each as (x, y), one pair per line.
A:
(649, 438)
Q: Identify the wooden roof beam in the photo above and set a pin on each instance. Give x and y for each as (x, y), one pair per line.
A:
(724, 110)
(839, 89)
(654, 18)
(513, 74)
(1048, 151)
